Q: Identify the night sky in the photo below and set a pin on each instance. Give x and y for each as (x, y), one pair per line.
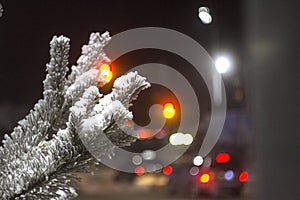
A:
(27, 27)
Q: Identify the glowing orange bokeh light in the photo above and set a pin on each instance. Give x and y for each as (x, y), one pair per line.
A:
(205, 178)
(105, 71)
(168, 110)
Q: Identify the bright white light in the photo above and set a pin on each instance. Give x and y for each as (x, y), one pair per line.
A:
(149, 154)
(176, 139)
(222, 64)
(181, 139)
(204, 15)
(188, 139)
(198, 161)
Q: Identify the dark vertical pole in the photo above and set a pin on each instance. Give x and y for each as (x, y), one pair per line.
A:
(273, 42)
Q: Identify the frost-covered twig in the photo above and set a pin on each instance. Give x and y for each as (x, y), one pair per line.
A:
(45, 150)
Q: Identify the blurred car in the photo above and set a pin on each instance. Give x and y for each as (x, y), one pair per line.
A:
(221, 172)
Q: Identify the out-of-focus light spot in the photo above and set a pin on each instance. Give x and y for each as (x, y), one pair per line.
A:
(137, 160)
(105, 71)
(149, 154)
(194, 171)
(229, 175)
(222, 64)
(150, 181)
(198, 161)
(167, 170)
(207, 162)
(205, 178)
(145, 134)
(204, 15)
(139, 170)
(188, 139)
(181, 139)
(168, 110)
(176, 139)
(223, 158)
(243, 177)
(105, 66)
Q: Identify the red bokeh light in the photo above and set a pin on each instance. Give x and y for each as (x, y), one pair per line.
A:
(243, 177)
(167, 170)
(223, 158)
(139, 170)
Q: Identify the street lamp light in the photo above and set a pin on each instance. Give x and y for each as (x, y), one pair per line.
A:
(223, 64)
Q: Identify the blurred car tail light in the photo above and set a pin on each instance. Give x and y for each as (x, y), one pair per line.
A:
(205, 178)
(243, 177)
(223, 158)
(139, 170)
(167, 170)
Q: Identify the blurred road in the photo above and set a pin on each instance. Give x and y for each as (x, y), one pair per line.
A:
(156, 196)
(102, 186)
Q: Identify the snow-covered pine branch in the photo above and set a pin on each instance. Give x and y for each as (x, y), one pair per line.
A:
(47, 148)
(37, 124)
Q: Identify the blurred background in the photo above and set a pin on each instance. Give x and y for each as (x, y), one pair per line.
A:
(254, 45)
